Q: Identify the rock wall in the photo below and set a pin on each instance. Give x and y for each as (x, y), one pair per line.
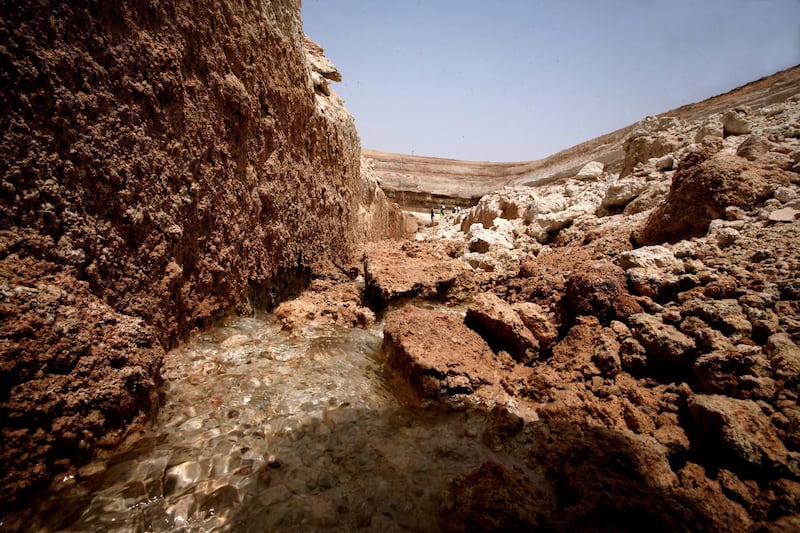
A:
(169, 161)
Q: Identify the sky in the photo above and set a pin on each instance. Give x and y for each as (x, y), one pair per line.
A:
(516, 80)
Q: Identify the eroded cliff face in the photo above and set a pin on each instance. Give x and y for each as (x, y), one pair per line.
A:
(162, 164)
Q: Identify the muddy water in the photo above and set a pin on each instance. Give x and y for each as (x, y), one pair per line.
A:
(261, 431)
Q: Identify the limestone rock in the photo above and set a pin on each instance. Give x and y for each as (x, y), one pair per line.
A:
(650, 257)
(591, 170)
(711, 127)
(785, 214)
(652, 137)
(622, 191)
(498, 323)
(735, 122)
(754, 146)
(482, 240)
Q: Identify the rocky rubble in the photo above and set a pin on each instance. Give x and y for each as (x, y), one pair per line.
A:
(647, 322)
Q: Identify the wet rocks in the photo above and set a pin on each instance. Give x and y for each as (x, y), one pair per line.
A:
(70, 364)
(436, 353)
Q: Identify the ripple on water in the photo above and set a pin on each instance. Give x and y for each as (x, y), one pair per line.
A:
(266, 431)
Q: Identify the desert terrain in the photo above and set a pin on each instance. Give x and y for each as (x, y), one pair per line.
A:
(217, 316)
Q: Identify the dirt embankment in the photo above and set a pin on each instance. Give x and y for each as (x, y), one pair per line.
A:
(161, 164)
(417, 183)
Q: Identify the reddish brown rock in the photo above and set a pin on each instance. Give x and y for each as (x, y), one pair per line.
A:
(332, 299)
(592, 289)
(784, 356)
(701, 189)
(493, 498)
(741, 430)
(539, 322)
(501, 327)
(393, 273)
(185, 160)
(74, 374)
(664, 344)
(437, 354)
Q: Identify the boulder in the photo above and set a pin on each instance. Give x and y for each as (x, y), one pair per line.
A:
(591, 170)
(498, 323)
(711, 127)
(391, 273)
(736, 122)
(739, 373)
(652, 137)
(436, 353)
(482, 240)
(785, 214)
(508, 203)
(726, 315)
(702, 188)
(784, 357)
(754, 146)
(740, 428)
(622, 191)
(650, 257)
(593, 289)
(539, 322)
(663, 343)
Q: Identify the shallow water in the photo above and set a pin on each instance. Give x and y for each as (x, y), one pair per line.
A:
(262, 431)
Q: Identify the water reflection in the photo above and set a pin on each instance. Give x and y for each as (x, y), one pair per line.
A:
(261, 430)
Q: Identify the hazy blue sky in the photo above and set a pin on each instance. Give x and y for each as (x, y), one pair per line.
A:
(512, 80)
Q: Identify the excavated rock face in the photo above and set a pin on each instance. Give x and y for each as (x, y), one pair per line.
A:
(176, 161)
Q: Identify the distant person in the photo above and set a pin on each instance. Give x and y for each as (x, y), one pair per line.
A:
(442, 210)
(433, 214)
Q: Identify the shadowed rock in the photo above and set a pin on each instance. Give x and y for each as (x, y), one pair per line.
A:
(501, 326)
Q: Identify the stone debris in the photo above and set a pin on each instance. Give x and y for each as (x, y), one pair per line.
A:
(663, 302)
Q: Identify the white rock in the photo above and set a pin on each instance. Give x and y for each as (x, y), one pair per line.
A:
(666, 162)
(649, 257)
(725, 236)
(787, 214)
(591, 170)
(625, 190)
(734, 122)
(483, 240)
(785, 194)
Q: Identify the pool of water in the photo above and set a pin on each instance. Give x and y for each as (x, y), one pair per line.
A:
(265, 431)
